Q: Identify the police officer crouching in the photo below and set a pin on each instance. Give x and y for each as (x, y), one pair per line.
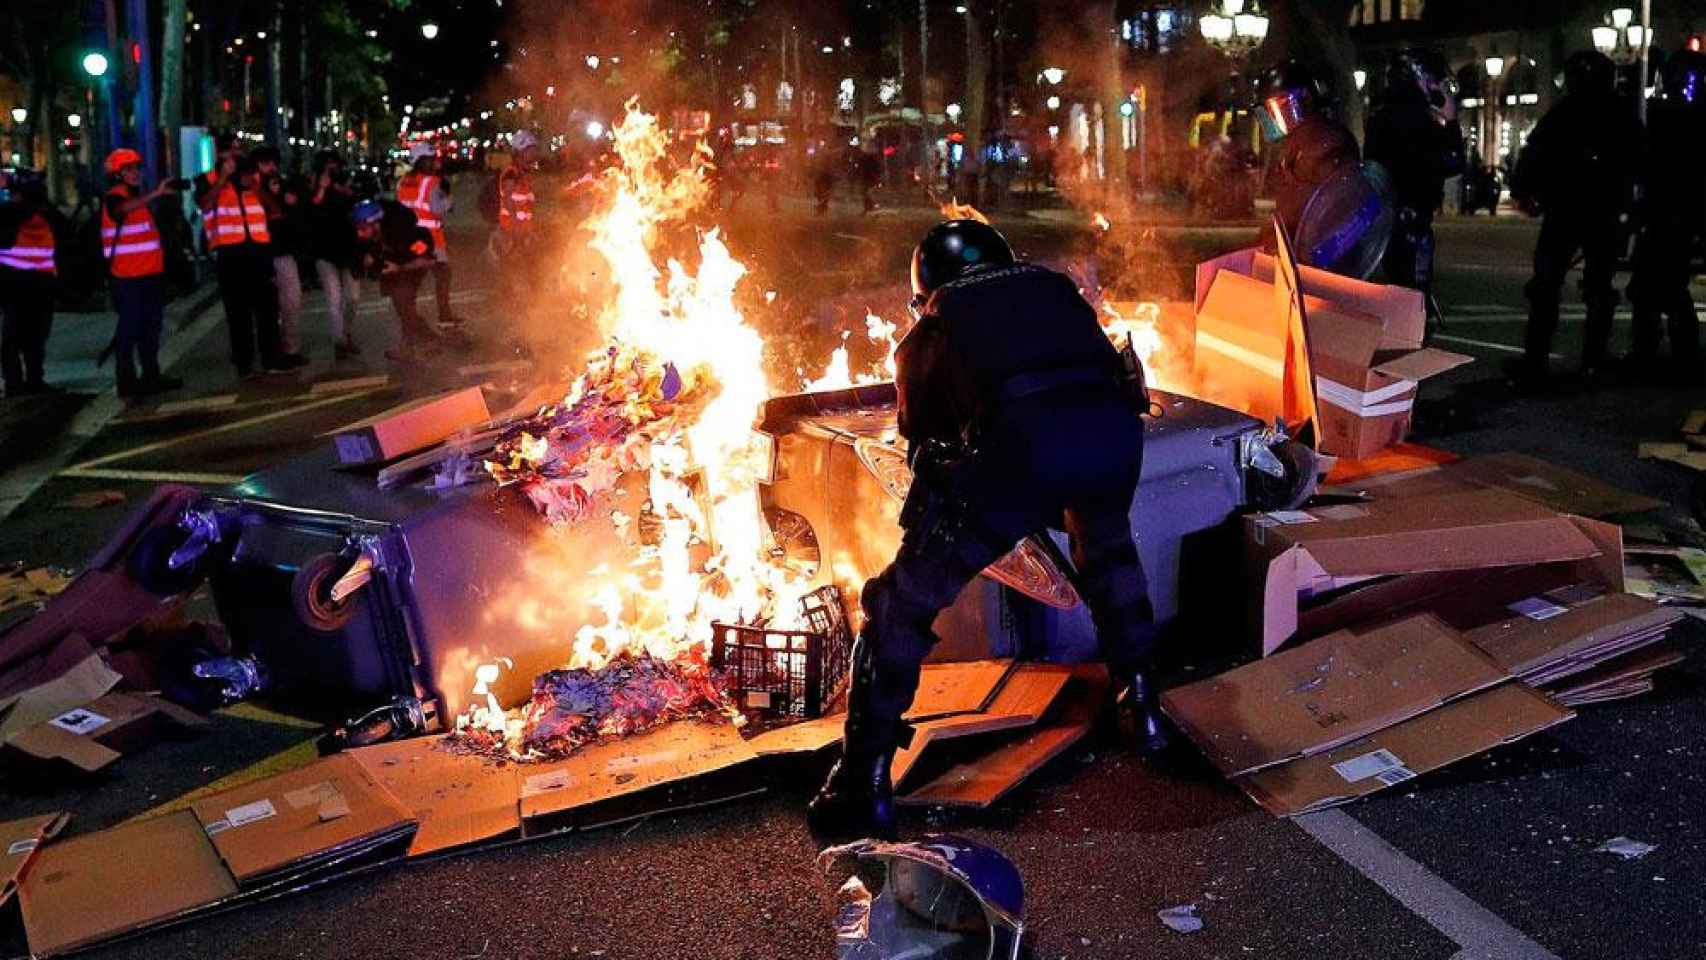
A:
(1018, 417)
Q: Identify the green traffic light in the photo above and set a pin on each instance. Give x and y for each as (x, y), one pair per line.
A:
(95, 64)
(1127, 108)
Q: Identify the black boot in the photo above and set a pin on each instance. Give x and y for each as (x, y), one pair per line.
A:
(857, 799)
(1149, 728)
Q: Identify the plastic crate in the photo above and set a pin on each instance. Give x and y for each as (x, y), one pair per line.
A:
(787, 674)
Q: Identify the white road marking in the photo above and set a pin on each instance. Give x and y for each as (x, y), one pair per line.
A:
(151, 476)
(1501, 347)
(1480, 933)
(325, 387)
(197, 403)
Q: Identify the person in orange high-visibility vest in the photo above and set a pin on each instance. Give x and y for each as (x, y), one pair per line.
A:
(234, 214)
(513, 244)
(426, 192)
(29, 226)
(136, 263)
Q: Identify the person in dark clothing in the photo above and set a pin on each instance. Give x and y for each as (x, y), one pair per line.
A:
(393, 248)
(31, 229)
(331, 242)
(1578, 173)
(1314, 146)
(1672, 218)
(234, 216)
(1018, 418)
(285, 216)
(1414, 135)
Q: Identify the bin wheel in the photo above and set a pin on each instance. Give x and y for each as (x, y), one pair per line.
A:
(148, 564)
(1298, 485)
(311, 594)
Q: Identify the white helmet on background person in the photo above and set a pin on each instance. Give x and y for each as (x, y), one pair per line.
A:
(421, 149)
(522, 140)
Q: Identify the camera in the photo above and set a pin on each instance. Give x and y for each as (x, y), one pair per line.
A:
(179, 184)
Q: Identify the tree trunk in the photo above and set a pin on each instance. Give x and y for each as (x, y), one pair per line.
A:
(172, 84)
(977, 77)
(275, 83)
(1110, 89)
(42, 107)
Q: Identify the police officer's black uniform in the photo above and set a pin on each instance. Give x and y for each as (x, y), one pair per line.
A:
(1415, 137)
(1017, 420)
(1579, 169)
(1672, 215)
(1313, 145)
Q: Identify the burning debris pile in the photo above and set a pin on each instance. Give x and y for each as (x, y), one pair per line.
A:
(573, 707)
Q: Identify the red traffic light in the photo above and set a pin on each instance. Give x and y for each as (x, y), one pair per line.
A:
(135, 52)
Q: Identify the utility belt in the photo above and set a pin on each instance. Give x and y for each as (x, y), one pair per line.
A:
(1126, 374)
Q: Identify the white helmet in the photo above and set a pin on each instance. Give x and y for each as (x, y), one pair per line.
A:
(522, 140)
(421, 149)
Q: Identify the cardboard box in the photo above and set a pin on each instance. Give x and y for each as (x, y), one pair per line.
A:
(94, 736)
(413, 426)
(19, 841)
(458, 799)
(299, 820)
(1364, 340)
(1327, 692)
(102, 885)
(1559, 488)
(1304, 563)
(1403, 751)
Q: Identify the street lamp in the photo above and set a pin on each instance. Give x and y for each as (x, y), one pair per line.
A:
(1360, 77)
(1054, 103)
(953, 111)
(1620, 38)
(19, 114)
(1054, 75)
(429, 30)
(1233, 29)
(95, 63)
(74, 120)
(1495, 67)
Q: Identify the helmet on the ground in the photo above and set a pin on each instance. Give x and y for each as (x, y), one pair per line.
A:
(367, 212)
(952, 892)
(1589, 73)
(522, 140)
(954, 248)
(1419, 71)
(121, 158)
(1290, 94)
(1684, 78)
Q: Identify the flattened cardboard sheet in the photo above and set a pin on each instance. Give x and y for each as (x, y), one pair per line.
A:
(603, 771)
(300, 818)
(94, 736)
(981, 780)
(961, 687)
(1403, 751)
(410, 427)
(19, 841)
(1022, 700)
(1535, 643)
(100, 885)
(1327, 692)
(457, 799)
(807, 736)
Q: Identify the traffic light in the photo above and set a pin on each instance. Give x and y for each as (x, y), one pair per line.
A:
(1127, 108)
(95, 64)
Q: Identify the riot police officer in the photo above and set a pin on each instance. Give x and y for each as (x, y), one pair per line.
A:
(1314, 146)
(1672, 215)
(1414, 136)
(1017, 418)
(1578, 173)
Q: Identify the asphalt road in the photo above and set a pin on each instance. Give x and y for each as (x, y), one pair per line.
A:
(1490, 858)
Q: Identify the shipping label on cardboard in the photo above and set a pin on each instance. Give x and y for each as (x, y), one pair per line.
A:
(80, 722)
(1538, 608)
(1371, 764)
(251, 812)
(1289, 517)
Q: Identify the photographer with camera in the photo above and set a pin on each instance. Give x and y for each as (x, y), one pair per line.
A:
(234, 215)
(394, 249)
(283, 198)
(331, 239)
(136, 263)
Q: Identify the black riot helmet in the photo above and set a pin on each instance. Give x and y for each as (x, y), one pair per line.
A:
(1684, 80)
(1290, 94)
(1589, 73)
(1419, 72)
(952, 249)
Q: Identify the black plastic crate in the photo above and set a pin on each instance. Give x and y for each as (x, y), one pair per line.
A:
(787, 674)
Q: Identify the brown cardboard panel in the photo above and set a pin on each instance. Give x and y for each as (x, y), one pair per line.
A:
(411, 426)
(19, 841)
(1460, 729)
(1422, 364)
(1606, 693)
(276, 823)
(1401, 309)
(1524, 645)
(458, 799)
(808, 736)
(101, 885)
(1021, 702)
(1641, 664)
(984, 779)
(947, 688)
(1557, 487)
(602, 771)
(1328, 691)
(95, 735)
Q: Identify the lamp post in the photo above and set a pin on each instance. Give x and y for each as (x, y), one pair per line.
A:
(1628, 43)
(429, 30)
(1233, 29)
(1495, 67)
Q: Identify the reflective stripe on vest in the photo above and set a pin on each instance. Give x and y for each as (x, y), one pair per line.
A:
(237, 218)
(415, 192)
(517, 213)
(133, 249)
(33, 249)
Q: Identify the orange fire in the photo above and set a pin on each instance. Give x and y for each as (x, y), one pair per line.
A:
(955, 210)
